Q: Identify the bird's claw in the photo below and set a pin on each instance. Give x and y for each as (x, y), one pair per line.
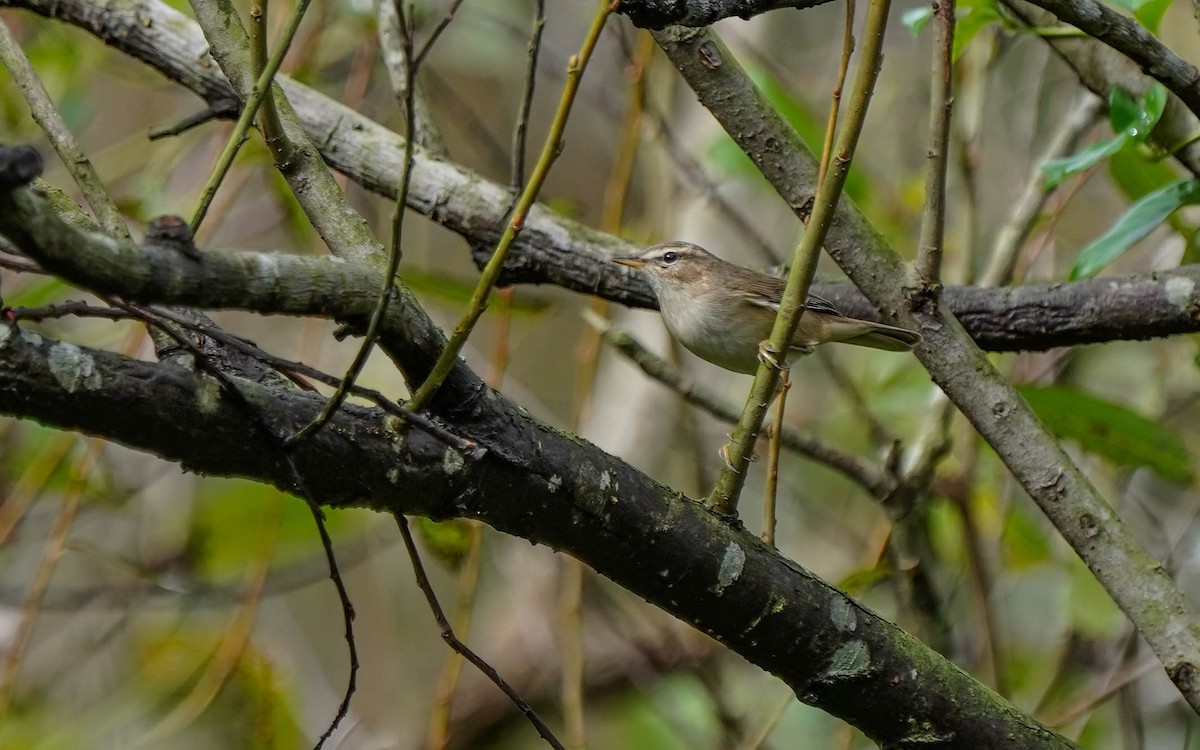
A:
(724, 454)
(770, 356)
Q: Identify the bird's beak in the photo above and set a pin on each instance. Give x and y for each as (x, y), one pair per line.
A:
(629, 260)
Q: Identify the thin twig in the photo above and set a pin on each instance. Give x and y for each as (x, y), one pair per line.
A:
(453, 642)
(1012, 235)
(770, 719)
(468, 576)
(521, 129)
(880, 435)
(293, 368)
(233, 641)
(724, 497)
(56, 545)
(262, 89)
(433, 36)
(302, 491)
(438, 735)
(491, 272)
(268, 116)
(836, 98)
(931, 245)
(980, 569)
(870, 478)
(46, 115)
(774, 442)
(571, 684)
(21, 266)
(393, 265)
(396, 57)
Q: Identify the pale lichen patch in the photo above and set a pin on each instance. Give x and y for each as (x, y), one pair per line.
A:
(73, 368)
(731, 567)
(208, 395)
(6, 333)
(452, 461)
(393, 475)
(554, 482)
(393, 427)
(841, 612)
(1179, 291)
(31, 338)
(851, 660)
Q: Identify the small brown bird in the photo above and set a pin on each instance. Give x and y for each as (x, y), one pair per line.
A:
(722, 312)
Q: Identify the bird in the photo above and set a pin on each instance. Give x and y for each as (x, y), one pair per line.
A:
(723, 313)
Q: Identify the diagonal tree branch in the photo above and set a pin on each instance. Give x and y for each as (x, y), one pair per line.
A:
(1131, 39)
(552, 489)
(1139, 585)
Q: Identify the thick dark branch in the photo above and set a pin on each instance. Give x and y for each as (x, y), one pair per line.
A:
(555, 250)
(1045, 315)
(549, 488)
(655, 14)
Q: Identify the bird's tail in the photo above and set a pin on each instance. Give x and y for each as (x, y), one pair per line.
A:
(873, 335)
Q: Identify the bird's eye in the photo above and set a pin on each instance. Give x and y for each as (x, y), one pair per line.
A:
(670, 257)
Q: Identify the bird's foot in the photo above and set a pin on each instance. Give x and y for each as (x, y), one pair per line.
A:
(724, 454)
(772, 357)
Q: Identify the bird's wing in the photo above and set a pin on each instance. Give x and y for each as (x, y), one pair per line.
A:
(767, 291)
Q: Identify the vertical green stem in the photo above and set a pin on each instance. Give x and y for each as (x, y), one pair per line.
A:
(724, 497)
(491, 272)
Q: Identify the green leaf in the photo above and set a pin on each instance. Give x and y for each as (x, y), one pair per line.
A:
(1150, 13)
(1108, 429)
(40, 291)
(971, 17)
(1137, 176)
(449, 541)
(440, 287)
(1122, 109)
(1136, 119)
(1153, 105)
(916, 19)
(1142, 218)
(1057, 170)
(970, 21)
(1191, 250)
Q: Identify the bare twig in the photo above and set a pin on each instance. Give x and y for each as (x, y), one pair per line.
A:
(433, 36)
(724, 497)
(453, 642)
(262, 89)
(775, 434)
(56, 545)
(931, 245)
(838, 86)
(393, 264)
(301, 489)
(1012, 235)
(396, 59)
(517, 179)
(491, 272)
(268, 116)
(870, 478)
(48, 118)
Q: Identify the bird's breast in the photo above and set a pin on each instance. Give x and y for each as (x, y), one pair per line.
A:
(714, 332)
